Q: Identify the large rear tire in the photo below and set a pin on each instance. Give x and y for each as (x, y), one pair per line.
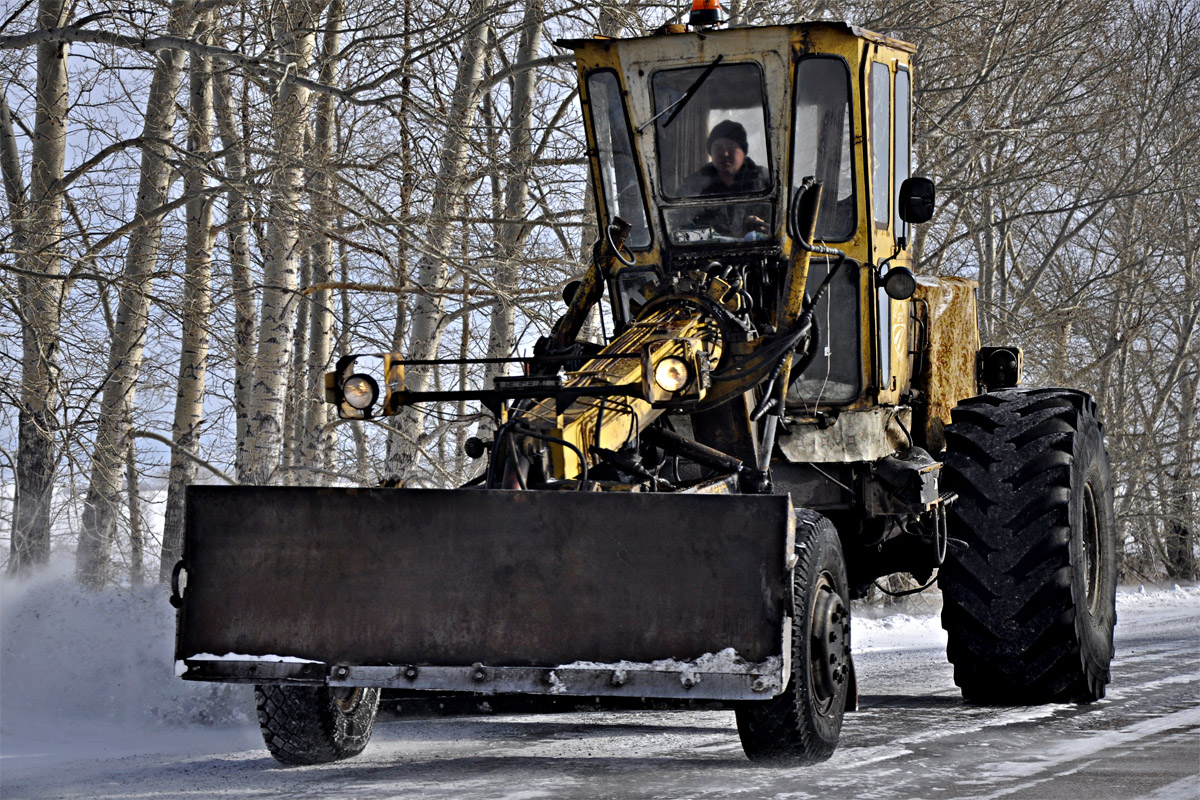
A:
(315, 724)
(1029, 605)
(801, 726)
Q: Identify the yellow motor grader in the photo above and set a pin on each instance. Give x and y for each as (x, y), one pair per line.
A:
(783, 414)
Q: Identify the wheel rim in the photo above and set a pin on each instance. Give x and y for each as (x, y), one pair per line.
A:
(1092, 549)
(828, 660)
(347, 699)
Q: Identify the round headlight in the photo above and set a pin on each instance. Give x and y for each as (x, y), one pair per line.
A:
(671, 374)
(900, 283)
(360, 391)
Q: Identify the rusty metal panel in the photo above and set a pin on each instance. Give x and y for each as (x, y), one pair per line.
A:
(457, 577)
(952, 331)
(853, 436)
(682, 680)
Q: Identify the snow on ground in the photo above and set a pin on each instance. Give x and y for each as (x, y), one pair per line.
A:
(876, 629)
(69, 658)
(1158, 597)
(92, 675)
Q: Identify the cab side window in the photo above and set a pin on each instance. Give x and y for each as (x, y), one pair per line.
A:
(821, 143)
(619, 183)
(903, 169)
(881, 149)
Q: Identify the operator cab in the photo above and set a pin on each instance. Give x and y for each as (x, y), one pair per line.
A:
(701, 139)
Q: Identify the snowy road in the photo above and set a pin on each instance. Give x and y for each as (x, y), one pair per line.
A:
(913, 737)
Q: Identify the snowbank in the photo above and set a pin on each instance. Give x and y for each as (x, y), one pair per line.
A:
(1143, 597)
(73, 655)
(897, 632)
(919, 626)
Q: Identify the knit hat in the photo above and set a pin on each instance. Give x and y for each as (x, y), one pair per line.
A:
(728, 129)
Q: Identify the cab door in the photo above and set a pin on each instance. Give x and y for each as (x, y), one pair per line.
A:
(889, 123)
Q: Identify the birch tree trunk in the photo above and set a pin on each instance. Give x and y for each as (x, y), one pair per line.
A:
(432, 270)
(295, 24)
(295, 407)
(197, 307)
(38, 229)
(407, 186)
(501, 333)
(129, 336)
(137, 536)
(241, 279)
(1180, 544)
(318, 442)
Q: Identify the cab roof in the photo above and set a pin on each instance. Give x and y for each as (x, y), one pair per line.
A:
(681, 30)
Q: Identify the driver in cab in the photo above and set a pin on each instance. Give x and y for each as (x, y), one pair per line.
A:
(729, 171)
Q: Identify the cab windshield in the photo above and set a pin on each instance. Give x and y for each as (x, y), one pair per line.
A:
(710, 129)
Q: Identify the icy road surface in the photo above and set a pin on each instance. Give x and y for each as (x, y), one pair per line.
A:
(90, 708)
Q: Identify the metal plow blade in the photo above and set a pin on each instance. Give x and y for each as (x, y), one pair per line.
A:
(488, 591)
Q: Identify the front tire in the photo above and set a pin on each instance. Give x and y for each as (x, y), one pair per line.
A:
(801, 726)
(315, 724)
(1030, 605)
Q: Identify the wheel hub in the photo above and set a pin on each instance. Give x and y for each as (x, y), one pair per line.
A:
(1092, 554)
(829, 653)
(347, 698)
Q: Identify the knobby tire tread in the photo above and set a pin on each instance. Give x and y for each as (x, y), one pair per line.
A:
(1018, 626)
(304, 725)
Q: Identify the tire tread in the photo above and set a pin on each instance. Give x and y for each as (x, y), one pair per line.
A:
(1009, 607)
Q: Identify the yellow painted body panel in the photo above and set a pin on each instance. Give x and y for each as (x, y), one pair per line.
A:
(608, 422)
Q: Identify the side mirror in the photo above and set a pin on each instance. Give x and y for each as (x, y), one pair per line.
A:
(917, 200)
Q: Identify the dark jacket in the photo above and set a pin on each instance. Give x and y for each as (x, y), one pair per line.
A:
(750, 179)
(728, 219)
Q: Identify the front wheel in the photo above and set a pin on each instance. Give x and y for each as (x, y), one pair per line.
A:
(315, 724)
(801, 726)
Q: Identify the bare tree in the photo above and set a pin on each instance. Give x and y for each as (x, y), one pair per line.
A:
(427, 313)
(429, 153)
(197, 304)
(317, 437)
(501, 334)
(237, 235)
(37, 228)
(129, 335)
(294, 26)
